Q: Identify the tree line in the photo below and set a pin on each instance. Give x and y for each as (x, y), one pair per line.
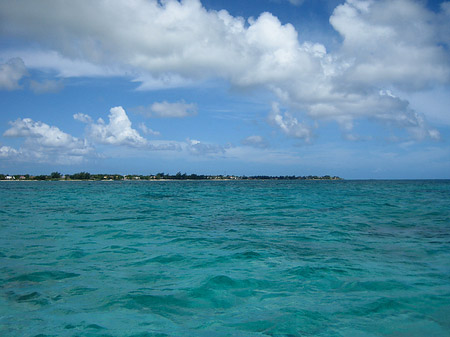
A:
(158, 176)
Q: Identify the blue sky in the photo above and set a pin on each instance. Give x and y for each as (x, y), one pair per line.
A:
(359, 89)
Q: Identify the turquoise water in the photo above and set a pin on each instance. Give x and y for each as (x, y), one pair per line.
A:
(225, 258)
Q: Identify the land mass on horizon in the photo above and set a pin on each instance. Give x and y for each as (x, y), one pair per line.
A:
(55, 176)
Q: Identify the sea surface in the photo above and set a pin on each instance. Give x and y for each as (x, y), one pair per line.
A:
(225, 258)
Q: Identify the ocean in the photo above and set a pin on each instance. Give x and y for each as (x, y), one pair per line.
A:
(225, 258)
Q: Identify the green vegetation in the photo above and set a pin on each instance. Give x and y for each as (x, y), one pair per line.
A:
(159, 176)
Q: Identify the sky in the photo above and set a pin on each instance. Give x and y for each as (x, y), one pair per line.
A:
(357, 88)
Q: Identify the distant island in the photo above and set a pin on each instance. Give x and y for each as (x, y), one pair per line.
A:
(55, 176)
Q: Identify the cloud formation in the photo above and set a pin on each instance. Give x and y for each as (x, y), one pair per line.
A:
(387, 45)
(45, 143)
(289, 125)
(11, 73)
(392, 43)
(117, 132)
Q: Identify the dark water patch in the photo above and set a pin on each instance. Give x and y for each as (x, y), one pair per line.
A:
(248, 255)
(222, 285)
(43, 276)
(223, 292)
(28, 297)
(221, 282)
(81, 291)
(74, 255)
(34, 298)
(16, 257)
(115, 249)
(95, 327)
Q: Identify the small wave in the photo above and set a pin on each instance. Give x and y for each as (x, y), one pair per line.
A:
(224, 292)
(314, 272)
(382, 286)
(163, 305)
(221, 282)
(161, 259)
(81, 291)
(28, 297)
(167, 258)
(248, 255)
(42, 276)
(34, 298)
(76, 254)
(381, 305)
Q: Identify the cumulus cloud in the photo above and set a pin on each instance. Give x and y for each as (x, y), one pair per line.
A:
(11, 73)
(387, 44)
(117, 132)
(169, 110)
(82, 118)
(43, 134)
(289, 125)
(167, 41)
(45, 143)
(8, 152)
(392, 43)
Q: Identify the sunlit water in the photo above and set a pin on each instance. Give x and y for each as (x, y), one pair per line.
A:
(223, 258)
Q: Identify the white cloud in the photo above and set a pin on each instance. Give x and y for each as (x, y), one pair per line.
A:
(169, 110)
(45, 143)
(387, 44)
(8, 152)
(289, 125)
(175, 41)
(11, 73)
(41, 133)
(82, 118)
(392, 43)
(46, 86)
(117, 132)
